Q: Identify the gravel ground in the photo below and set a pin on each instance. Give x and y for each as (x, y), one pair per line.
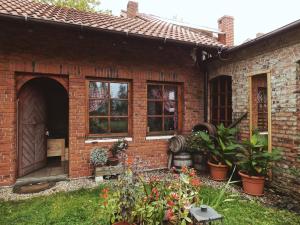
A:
(6, 193)
(270, 197)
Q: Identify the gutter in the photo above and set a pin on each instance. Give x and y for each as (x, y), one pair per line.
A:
(139, 36)
(265, 36)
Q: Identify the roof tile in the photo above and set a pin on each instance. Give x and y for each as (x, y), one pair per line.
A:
(138, 26)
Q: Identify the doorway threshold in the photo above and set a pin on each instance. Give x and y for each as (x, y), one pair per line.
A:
(34, 180)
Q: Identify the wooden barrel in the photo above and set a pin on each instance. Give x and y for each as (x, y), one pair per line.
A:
(177, 143)
(182, 159)
(208, 127)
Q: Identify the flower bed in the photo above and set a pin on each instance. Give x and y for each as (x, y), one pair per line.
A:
(149, 200)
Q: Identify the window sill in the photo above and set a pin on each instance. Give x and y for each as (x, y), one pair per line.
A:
(159, 137)
(104, 140)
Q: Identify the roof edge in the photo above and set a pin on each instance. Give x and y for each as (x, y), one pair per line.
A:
(128, 34)
(265, 36)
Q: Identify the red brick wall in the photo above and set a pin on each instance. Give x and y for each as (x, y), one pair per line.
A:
(74, 54)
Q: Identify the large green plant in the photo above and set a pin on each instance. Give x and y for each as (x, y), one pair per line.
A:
(254, 159)
(222, 147)
(194, 142)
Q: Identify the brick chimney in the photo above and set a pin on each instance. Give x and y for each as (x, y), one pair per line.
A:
(226, 25)
(132, 9)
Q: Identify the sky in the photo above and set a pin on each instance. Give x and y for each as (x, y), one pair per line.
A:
(250, 16)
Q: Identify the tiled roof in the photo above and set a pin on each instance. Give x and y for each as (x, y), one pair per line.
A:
(137, 27)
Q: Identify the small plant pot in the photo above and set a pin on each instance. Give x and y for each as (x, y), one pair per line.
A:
(253, 185)
(113, 161)
(218, 172)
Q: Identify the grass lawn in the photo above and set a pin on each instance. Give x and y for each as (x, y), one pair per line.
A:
(82, 207)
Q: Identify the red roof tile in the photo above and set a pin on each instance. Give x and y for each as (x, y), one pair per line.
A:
(151, 28)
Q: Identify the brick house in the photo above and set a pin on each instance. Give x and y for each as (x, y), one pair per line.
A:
(90, 78)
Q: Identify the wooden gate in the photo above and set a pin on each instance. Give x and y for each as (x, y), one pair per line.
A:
(32, 151)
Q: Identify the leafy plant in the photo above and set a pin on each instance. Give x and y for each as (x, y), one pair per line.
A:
(118, 147)
(98, 156)
(254, 159)
(223, 146)
(194, 142)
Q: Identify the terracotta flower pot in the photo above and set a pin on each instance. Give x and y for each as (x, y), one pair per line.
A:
(218, 172)
(253, 185)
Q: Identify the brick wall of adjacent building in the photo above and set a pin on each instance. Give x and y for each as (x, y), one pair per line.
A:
(280, 55)
(70, 56)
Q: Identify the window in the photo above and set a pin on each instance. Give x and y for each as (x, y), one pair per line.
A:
(259, 107)
(108, 108)
(262, 109)
(163, 108)
(221, 100)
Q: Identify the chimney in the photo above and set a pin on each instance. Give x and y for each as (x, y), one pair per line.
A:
(132, 9)
(226, 25)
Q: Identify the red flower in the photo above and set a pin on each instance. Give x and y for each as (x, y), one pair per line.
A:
(192, 172)
(184, 169)
(195, 182)
(174, 196)
(170, 214)
(170, 203)
(155, 192)
(105, 193)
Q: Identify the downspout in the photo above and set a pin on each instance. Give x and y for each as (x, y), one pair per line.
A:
(205, 95)
(203, 68)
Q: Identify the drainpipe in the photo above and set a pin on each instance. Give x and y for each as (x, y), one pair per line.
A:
(205, 106)
(203, 67)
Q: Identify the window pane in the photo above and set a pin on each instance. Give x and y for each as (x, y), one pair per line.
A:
(119, 90)
(98, 125)
(170, 93)
(119, 125)
(170, 123)
(154, 124)
(170, 107)
(119, 107)
(98, 89)
(154, 107)
(154, 92)
(98, 107)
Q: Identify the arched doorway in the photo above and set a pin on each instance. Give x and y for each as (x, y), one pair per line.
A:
(42, 117)
(221, 100)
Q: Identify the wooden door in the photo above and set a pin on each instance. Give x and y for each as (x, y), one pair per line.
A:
(32, 151)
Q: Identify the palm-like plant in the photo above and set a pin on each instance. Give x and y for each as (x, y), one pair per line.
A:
(223, 146)
(254, 159)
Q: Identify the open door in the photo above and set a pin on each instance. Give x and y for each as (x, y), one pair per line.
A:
(32, 151)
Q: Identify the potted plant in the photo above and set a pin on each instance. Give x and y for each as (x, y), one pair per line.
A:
(254, 162)
(98, 158)
(194, 144)
(118, 147)
(222, 149)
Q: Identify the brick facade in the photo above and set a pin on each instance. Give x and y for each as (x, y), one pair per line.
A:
(280, 55)
(69, 56)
